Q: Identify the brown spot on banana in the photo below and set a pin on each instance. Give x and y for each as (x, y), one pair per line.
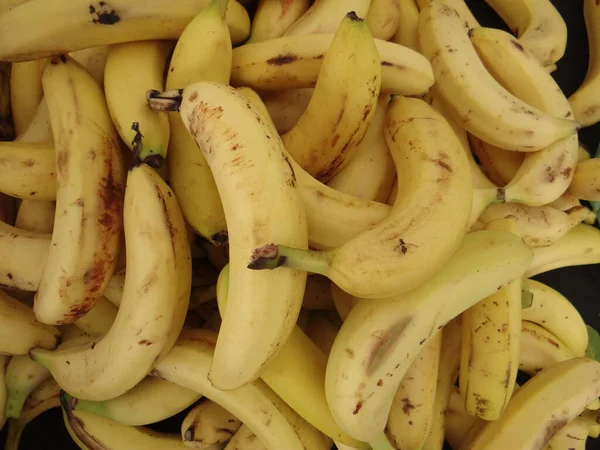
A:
(103, 14)
(385, 343)
(281, 60)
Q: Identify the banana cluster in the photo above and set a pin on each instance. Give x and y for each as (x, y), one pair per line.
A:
(306, 227)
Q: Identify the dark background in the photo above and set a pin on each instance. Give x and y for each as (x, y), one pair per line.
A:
(580, 284)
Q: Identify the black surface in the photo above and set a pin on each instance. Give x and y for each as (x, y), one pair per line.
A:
(580, 284)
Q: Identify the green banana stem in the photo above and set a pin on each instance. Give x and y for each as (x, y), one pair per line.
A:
(381, 443)
(271, 256)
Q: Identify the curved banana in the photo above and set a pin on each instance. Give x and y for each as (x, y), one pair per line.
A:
(435, 191)
(244, 439)
(461, 7)
(29, 170)
(540, 349)
(411, 415)
(585, 99)
(25, 92)
(36, 216)
(538, 25)
(542, 406)
(325, 16)
(27, 34)
(4, 359)
(481, 104)
(408, 21)
(499, 165)
(539, 226)
(294, 62)
(274, 17)
(159, 272)
(149, 401)
(22, 377)
(581, 245)
(190, 175)
(131, 70)
(86, 237)
(380, 339)
(545, 175)
(19, 329)
(99, 319)
(372, 164)
(286, 106)
(573, 436)
(208, 425)
(325, 138)
(383, 18)
(586, 182)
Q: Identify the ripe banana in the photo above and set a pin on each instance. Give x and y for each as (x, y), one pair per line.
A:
(244, 439)
(294, 62)
(480, 103)
(25, 92)
(26, 33)
(133, 68)
(540, 349)
(189, 173)
(4, 359)
(383, 18)
(586, 182)
(538, 25)
(36, 216)
(584, 101)
(99, 319)
(573, 436)
(380, 339)
(22, 377)
(286, 106)
(158, 276)
(19, 329)
(324, 140)
(325, 16)
(539, 226)
(408, 21)
(86, 237)
(274, 17)
(458, 422)
(542, 406)
(435, 191)
(581, 245)
(29, 170)
(94, 61)
(411, 415)
(372, 164)
(39, 130)
(461, 8)
(499, 165)
(208, 425)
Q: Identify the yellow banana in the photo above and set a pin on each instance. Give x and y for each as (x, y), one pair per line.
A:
(189, 173)
(481, 104)
(29, 170)
(573, 436)
(25, 92)
(325, 138)
(286, 106)
(208, 425)
(408, 21)
(99, 319)
(36, 215)
(586, 182)
(94, 61)
(460, 7)
(26, 33)
(540, 349)
(39, 130)
(383, 18)
(499, 165)
(324, 16)
(273, 18)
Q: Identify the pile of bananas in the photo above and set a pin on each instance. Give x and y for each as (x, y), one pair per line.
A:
(171, 172)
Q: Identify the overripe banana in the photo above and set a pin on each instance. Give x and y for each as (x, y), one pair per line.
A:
(540, 349)
(29, 170)
(383, 18)
(286, 106)
(208, 425)
(408, 21)
(499, 165)
(22, 377)
(25, 92)
(324, 16)
(36, 216)
(325, 139)
(586, 182)
(480, 103)
(94, 61)
(461, 8)
(26, 33)
(273, 18)
(158, 277)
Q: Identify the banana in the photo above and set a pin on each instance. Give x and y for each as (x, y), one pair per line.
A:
(149, 401)
(325, 139)
(261, 175)
(257, 406)
(25, 92)
(586, 181)
(321, 331)
(435, 191)
(480, 103)
(538, 25)
(4, 359)
(584, 101)
(581, 245)
(158, 276)
(295, 61)
(133, 68)
(461, 8)
(408, 21)
(86, 236)
(317, 294)
(244, 439)
(27, 34)
(393, 193)
(565, 202)
(94, 61)
(458, 422)
(545, 175)
(114, 289)
(36, 216)
(372, 164)
(325, 16)
(539, 226)
(39, 130)
(273, 18)
(29, 170)
(208, 425)
(286, 106)
(411, 415)
(575, 433)
(451, 336)
(540, 349)
(20, 331)
(22, 377)
(499, 165)
(383, 18)
(555, 313)
(99, 319)
(189, 172)
(542, 406)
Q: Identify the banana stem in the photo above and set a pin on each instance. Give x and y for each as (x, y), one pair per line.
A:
(271, 256)
(381, 443)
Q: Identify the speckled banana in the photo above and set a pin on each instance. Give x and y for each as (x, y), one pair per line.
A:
(189, 173)
(132, 68)
(435, 188)
(325, 138)
(86, 238)
(383, 18)
(380, 339)
(408, 20)
(545, 175)
(499, 165)
(460, 7)
(273, 18)
(208, 425)
(30, 170)
(458, 422)
(25, 92)
(538, 25)
(27, 34)
(94, 61)
(294, 62)
(324, 16)
(540, 349)
(480, 103)
(573, 436)
(159, 272)
(586, 182)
